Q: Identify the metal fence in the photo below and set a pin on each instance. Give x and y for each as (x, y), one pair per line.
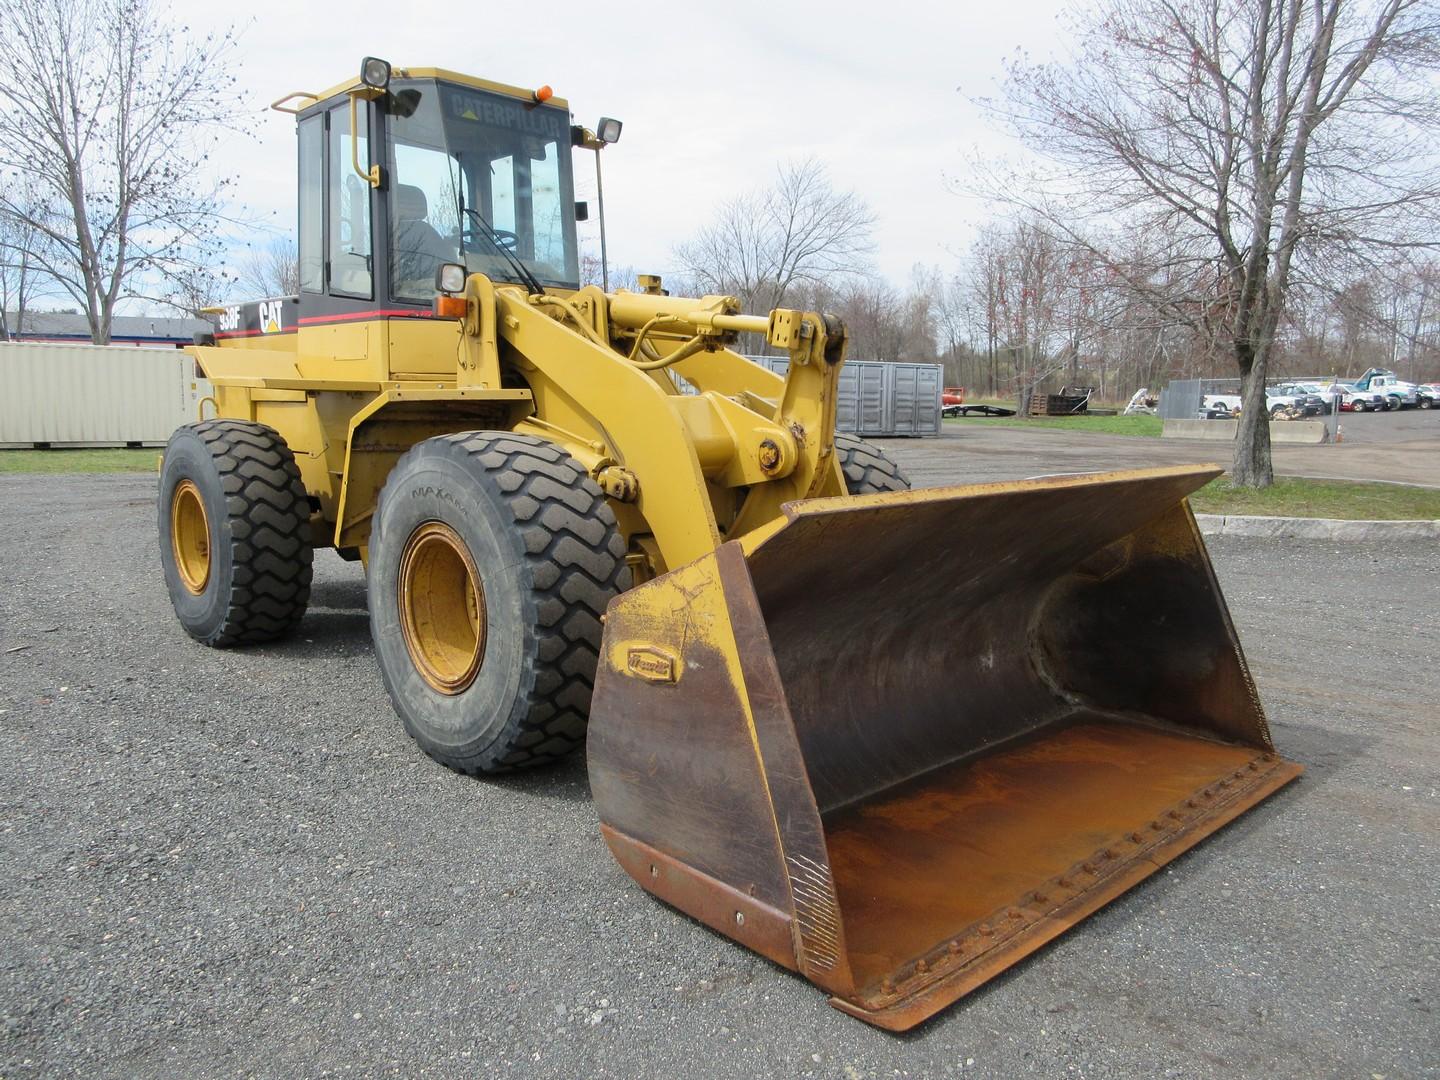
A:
(1180, 400)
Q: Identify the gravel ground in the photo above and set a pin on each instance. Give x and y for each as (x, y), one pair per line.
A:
(1401, 447)
(236, 864)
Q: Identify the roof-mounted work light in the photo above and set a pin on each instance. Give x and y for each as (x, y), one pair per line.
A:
(375, 73)
(608, 130)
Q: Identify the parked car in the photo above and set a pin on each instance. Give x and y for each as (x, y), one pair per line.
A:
(1287, 406)
(1353, 400)
(1320, 394)
(1308, 400)
(1225, 406)
(1219, 406)
(1428, 395)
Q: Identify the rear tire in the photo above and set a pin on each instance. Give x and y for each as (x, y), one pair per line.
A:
(492, 558)
(867, 468)
(234, 524)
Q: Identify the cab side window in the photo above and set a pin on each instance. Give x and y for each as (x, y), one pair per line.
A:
(350, 253)
(312, 195)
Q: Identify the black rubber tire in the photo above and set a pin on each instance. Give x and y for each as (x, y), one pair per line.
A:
(867, 468)
(259, 528)
(550, 558)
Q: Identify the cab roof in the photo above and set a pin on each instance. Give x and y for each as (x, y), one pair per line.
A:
(443, 75)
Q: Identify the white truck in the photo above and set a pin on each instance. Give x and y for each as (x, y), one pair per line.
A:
(1398, 393)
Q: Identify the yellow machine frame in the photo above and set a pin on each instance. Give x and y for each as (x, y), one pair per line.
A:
(350, 398)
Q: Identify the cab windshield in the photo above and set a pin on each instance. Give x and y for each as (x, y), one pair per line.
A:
(471, 173)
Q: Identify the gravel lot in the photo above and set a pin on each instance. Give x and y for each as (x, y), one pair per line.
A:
(1402, 447)
(235, 864)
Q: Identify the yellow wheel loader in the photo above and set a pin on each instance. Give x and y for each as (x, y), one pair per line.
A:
(893, 740)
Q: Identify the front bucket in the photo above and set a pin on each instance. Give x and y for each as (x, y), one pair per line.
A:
(899, 742)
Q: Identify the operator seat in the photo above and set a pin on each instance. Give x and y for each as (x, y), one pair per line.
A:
(418, 248)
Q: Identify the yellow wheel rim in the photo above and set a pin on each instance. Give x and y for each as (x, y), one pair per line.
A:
(442, 608)
(190, 536)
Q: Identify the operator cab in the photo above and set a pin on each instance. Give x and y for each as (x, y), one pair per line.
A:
(467, 172)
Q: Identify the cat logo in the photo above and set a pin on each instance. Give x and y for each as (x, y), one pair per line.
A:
(270, 318)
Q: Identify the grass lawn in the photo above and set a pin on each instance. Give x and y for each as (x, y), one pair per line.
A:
(1296, 497)
(1149, 426)
(79, 461)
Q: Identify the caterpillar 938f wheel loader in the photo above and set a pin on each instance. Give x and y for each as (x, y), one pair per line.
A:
(894, 740)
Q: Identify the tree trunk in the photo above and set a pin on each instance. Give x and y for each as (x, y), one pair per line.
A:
(1252, 467)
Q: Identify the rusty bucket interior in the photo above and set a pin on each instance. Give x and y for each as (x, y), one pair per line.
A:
(901, 741)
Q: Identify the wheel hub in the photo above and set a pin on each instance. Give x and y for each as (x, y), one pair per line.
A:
(442, 608)
(190, 537)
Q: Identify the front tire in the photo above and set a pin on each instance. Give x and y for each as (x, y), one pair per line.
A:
(867, 468)
(234, 523)
(492, 558)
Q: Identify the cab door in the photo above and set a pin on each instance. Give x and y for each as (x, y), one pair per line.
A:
(340, 320)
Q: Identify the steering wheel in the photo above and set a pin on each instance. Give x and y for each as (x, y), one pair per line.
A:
(471, 232)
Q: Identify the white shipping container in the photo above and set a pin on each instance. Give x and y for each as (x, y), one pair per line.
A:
(95, 395)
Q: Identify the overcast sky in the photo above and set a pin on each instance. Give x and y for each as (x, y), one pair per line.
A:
(713, 97)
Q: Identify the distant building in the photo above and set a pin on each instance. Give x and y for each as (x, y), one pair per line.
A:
(124, 329)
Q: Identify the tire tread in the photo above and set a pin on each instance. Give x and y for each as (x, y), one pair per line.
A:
(575, 563)
(269, 518)
(868, 469)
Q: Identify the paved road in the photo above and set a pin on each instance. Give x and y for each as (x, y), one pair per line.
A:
(1403, 447)
(236, 864)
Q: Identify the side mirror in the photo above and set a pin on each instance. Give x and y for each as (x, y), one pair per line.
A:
(582, 211)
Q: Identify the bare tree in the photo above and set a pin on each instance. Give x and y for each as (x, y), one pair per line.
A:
(800, 231)
(272, 270)
(1033, 274)
(951, 326)
(874, 315)
(18, 274)
(621, 277)
(108, 112)
(1257, 131)
(984, 281)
